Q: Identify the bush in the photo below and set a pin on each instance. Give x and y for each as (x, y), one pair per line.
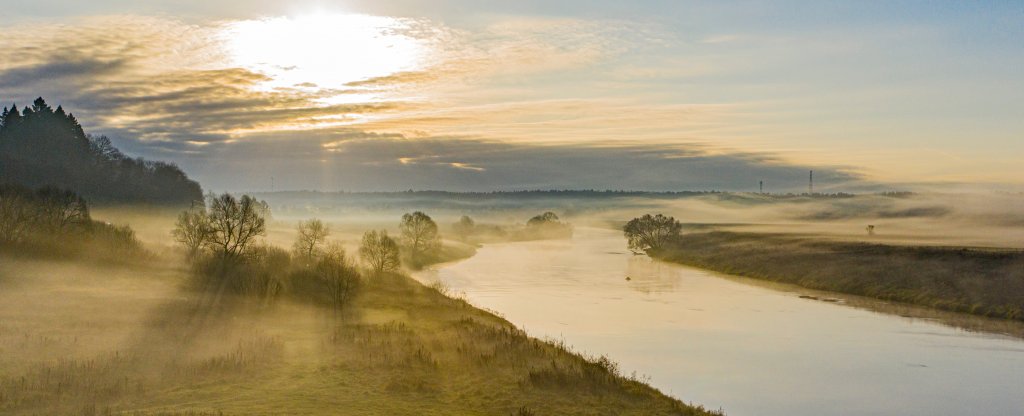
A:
(546, 226)
(266, 273)
(56, 222)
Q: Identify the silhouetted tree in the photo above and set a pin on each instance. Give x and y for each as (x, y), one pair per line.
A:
(651, 232)
(57, 221)
(339, 277)
(235, 224)
(379, 251)
(419, 233)
(17, 213)
(193, 230)
(61, 211)
(311, 235)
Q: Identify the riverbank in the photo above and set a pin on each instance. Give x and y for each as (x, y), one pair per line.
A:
(399, 348)
(979, 281)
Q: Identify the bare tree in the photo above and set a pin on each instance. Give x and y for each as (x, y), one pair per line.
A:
(193, 230)
(340, 278)
(60, 211)
(312, 235)
(235, 224)
(17, 214)
(419, 233)
(379, 251)
(651, 232)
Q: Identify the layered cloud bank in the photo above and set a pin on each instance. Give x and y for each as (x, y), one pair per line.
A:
(358, 102)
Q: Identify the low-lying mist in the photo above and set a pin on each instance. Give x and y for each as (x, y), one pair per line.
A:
(80, 335)
(978, 219)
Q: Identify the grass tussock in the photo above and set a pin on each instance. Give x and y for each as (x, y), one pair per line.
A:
(986, 282)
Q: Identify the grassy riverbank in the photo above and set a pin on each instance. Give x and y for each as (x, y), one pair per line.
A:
(979, 281)
(130, 340)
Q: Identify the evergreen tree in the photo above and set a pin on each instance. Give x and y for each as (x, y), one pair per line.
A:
(39, 106)
(12, 117)
(40, 146)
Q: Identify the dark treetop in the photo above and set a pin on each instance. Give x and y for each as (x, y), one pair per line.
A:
(41, 146)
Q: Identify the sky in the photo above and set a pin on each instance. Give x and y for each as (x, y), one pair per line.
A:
(494, 95)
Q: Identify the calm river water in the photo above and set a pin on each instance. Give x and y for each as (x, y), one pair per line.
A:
(747, 349)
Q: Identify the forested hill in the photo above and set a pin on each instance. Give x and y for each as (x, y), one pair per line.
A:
(41, 146)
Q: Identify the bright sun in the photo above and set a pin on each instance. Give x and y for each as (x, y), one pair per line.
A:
(324, 51)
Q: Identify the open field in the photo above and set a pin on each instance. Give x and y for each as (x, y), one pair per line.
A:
(88, 339)
(982, 281)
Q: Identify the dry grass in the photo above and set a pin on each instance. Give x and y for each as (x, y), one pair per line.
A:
(134, 342)
(986, 282)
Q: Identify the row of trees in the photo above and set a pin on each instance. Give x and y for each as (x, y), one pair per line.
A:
(542, 226)
(222, 240)
(230, 226)
(54, 219)
(49, 211)
(42, 146)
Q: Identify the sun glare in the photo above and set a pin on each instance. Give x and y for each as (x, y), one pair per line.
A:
(323, 51)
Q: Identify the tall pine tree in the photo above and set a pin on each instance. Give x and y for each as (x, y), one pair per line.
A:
(40, 146)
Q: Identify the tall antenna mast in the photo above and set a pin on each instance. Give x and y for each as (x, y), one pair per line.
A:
(810, 183)
(761, 186)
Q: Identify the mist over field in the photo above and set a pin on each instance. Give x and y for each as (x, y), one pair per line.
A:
(522, 208)
(976, 219)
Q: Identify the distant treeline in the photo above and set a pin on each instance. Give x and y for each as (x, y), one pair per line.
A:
(41, 146)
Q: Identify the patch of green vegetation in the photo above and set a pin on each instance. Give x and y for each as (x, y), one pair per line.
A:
(979, 281)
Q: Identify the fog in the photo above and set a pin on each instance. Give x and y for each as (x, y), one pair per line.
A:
(80, 335)
(978, 219)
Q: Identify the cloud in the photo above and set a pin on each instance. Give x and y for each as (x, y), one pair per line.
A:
(165, 89)
(359, 161)
(57, 70)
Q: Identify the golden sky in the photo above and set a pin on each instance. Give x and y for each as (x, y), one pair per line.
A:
(458, 94)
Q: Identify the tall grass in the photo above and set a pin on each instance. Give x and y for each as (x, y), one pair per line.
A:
(985, 282)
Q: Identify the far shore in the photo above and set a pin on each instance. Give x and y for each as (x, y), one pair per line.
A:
(980, 282)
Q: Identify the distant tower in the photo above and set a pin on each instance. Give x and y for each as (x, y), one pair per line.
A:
(810, 183)
(760, 187)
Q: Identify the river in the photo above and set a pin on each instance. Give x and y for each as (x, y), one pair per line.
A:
(744, 348)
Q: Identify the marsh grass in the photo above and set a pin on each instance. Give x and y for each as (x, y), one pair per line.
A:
(980, 281)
